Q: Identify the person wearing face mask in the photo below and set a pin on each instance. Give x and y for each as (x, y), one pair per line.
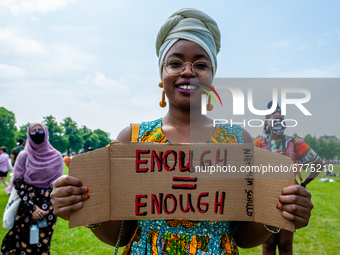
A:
(15, 152)
(294, 147)
(36, 168)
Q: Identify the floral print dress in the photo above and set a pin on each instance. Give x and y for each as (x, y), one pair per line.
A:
(174, 237)
(17, 240)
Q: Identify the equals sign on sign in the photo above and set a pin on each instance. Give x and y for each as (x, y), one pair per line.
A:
(184, 186)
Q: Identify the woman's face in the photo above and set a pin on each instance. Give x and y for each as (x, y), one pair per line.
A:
(37, 134)
(274, 118)
(177, 88)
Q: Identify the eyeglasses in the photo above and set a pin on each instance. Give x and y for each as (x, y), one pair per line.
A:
(176, 66)
(39, 130)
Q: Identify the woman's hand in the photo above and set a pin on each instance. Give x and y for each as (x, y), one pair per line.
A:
(38, 214)
(296, 205)
(282, 152)
(68, 195)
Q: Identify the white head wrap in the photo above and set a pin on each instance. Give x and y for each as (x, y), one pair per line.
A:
(192, 25)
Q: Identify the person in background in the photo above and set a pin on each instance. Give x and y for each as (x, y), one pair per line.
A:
(294, 147)
(90, 149)
(36, 168)
(328, 171)
(3, 165)
(14, 154)
(73, 154)
(15, 151)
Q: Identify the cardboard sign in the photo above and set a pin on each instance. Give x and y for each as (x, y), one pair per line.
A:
(215, 182)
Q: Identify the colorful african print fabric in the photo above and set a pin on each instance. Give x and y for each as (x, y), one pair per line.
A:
(172, 237)
(296, 149)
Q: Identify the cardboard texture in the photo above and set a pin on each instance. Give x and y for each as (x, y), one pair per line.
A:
(94, 171)
(130, 181)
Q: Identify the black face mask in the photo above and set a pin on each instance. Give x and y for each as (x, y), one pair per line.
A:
(38, 138)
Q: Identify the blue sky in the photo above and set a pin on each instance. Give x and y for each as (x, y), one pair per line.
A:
(95, 61)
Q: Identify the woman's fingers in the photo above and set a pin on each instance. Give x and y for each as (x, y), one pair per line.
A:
(36, 216)
(298, 221)
(67, 196)
(296, 194)
(296, 189)
(296, 205)
(296, 210)
(66, 211)
(66, 186)
(43, 213)
(65, 191)
(66, 180)
(282, 152)
(71, 200)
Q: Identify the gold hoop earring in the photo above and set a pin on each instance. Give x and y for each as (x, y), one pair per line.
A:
(162, 103)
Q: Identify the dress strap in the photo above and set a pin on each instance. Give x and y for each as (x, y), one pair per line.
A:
(134, 132)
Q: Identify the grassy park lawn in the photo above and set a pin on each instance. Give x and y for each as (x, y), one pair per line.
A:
(320, 237)
(323, 232)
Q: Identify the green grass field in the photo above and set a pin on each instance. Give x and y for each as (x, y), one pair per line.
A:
(320, 237)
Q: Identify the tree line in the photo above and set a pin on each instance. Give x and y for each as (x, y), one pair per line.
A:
(64, 136)
(326, 150)
(67, 137)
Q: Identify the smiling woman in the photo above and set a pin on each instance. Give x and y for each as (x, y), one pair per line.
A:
(187, 45)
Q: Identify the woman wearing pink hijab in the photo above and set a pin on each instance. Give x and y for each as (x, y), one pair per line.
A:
(35, 170)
